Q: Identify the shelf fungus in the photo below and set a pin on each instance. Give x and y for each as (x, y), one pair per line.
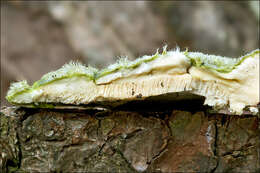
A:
(225, 83)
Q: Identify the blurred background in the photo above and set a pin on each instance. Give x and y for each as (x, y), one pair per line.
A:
(38, 37)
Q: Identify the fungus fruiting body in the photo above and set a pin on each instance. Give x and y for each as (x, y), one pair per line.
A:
(231, 83)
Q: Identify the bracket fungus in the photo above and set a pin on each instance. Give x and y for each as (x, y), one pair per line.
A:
(225, 83)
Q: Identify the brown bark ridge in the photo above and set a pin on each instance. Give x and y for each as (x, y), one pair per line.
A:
(127, 140)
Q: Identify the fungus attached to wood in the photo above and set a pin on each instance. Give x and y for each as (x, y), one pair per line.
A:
(226, 83)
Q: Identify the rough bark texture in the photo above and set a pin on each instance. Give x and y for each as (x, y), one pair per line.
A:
(40, 140)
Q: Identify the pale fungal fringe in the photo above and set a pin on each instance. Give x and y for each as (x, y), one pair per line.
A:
(213, 60)
(256, 51)
(176, 49)
(16, 88)
(123, 63)
(217, 63)
(67, 70)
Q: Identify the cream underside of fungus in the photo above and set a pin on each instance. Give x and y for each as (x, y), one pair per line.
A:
(227, 83)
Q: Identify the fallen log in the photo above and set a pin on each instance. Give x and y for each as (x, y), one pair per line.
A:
(169, 112)
(58, 140)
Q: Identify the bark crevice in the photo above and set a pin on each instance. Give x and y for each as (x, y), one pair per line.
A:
(128, 141)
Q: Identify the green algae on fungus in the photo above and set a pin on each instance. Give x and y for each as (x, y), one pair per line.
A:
(121, 63)
(17, 88)
(146, 58)
(68, 70)
(217, 63)
(124, 63)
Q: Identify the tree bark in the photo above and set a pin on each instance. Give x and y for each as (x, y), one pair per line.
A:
(45, 140)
